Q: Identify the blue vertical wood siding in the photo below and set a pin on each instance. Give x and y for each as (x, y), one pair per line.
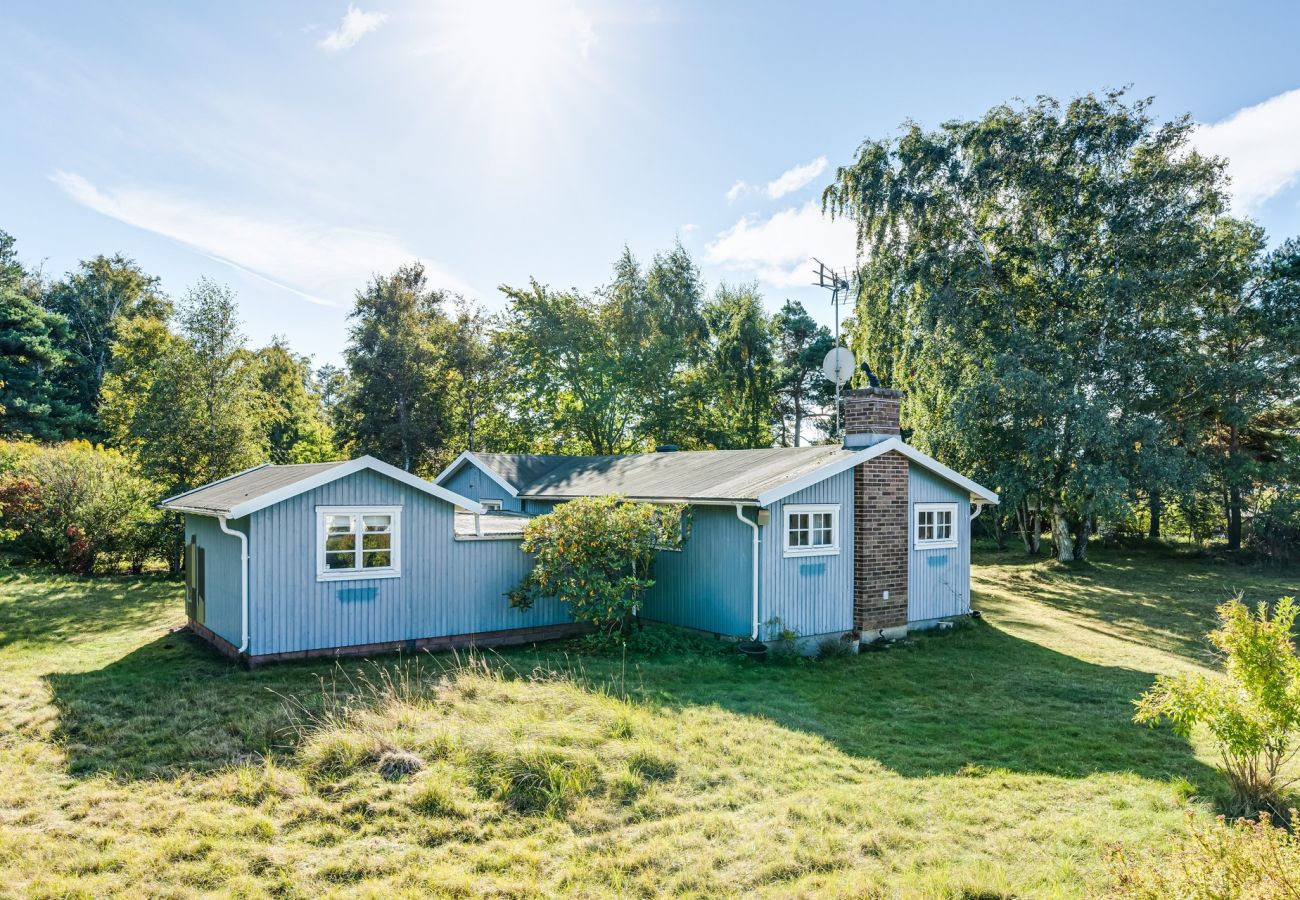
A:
(221, 573)
(447, 587)
(470, 481)
(938, 581)
(810, 594)
(705, 585)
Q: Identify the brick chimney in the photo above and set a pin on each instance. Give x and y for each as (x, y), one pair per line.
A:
(871, 415)
(880, 515)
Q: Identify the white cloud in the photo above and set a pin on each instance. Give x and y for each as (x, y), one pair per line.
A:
(354, 25)
(321, 263)
(688, 227)
(583, 30)
(1262, 145)
(736, 190)
(798, 177)
(778, 250)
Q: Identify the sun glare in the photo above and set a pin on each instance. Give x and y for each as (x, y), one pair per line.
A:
(513, 57)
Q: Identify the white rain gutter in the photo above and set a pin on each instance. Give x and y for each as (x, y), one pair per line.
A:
(243, 582)
(979, 508)
(754, 574)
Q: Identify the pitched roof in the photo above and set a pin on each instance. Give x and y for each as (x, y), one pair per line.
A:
(747, 476)
(265, 485)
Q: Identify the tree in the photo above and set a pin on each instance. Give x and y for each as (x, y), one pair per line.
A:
(1252, 712)
(33, 402)
(1245, 328)
(298, 430)
(801, 345)
(576, 368)
(1022, 272)
(742, 368)
(95, 300)
(595, 554)
(481, 387)
(189, 405)
(395, 404)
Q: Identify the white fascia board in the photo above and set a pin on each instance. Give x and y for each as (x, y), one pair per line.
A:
(165, 503)
(343, 470)
(468, 458)
(977, 491)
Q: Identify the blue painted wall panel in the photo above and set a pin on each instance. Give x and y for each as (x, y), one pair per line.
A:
(811, 594)
(470, 481)
(706, 584)
(222, 574)
(938, 581)
(447, 587)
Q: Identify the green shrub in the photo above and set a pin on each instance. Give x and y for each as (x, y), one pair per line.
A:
(81, 508)
(1212, 862)
(1253, 712)
(595, 554)
(1275, 530)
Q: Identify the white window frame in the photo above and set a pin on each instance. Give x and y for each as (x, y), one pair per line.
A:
(831, 549)
(496, 505)
(933, 543)
(393, 571)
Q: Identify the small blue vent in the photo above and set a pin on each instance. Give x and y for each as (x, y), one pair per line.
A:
(812, 568)
(357, 594)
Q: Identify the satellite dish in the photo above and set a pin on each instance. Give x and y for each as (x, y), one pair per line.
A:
(838, 366)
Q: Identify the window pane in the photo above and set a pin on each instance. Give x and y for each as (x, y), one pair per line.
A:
(822, 537)
(378, 523)
(340, 560)
(382, 541)
(341, 542)
(372, 559)
(339, 524)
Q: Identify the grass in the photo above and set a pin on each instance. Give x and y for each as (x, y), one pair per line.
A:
(995, 760)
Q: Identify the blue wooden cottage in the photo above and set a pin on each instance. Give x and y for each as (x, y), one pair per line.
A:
(867, 539)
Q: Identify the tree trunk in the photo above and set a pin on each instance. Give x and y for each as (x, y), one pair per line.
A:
(1030, 528)
(1062, 538)
(1082, 533)
(798, 417)
(1234, 492)
(1155, 505)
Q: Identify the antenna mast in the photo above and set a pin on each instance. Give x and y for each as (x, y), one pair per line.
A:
(839, 369)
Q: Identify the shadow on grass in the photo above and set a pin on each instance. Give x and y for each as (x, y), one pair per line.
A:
(970, 700)
(40, 607)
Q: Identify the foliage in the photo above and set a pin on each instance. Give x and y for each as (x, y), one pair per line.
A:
(33, 400)
(742, 379)
(394, 406)
(297, 430)
(1213, 861)
(595, 555)
(1275, 529)
(1047, 255)
(802, 391)
(81, 508)
(95, 300)
(189, 405)
(1253, 712)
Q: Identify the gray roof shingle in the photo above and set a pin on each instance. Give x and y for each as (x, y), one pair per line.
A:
(724, 475)
(220, 497)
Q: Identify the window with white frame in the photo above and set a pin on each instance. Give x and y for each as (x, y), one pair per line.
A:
(812, 530)
(490, 504)
(358, 542)
(935, 525)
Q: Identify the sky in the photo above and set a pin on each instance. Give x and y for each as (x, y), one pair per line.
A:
(291, 150)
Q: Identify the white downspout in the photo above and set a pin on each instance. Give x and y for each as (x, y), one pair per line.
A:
(754, 574)
(243, 582)
(979, 508)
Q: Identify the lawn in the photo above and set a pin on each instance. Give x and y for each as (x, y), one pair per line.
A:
(994, 760)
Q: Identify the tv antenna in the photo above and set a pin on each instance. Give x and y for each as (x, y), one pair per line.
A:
(839, 363)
